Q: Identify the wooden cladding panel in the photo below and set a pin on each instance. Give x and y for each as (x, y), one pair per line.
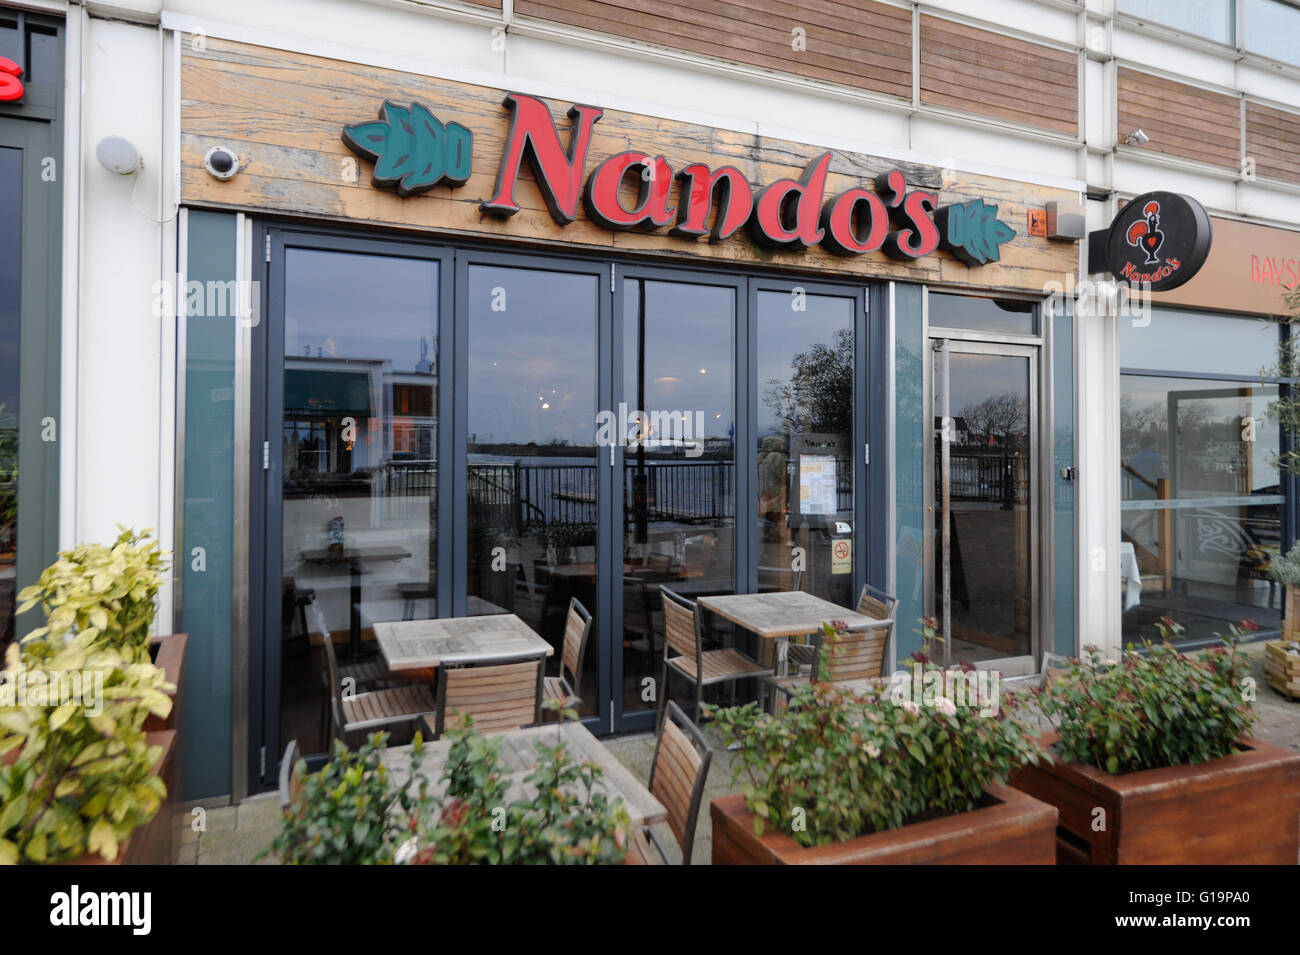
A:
(864, 45)
(284, 112)
(1181, 120)
(1273, 141)
(976, 71)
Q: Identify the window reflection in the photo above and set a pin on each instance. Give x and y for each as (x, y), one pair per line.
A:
(1202, 505)
(805, 425)
(531, 491)
(359, 453)
(679, 490)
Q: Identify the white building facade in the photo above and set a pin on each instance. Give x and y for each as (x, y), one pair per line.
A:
(1122, 488)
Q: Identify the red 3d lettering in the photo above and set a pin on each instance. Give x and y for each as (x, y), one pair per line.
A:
(655, 178)
(11, 84)
(558, 171)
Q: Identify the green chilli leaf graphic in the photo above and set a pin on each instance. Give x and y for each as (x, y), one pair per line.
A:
(412, 151)
(972, 231)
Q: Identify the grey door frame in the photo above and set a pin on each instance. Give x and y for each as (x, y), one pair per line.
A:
(942, 343)
(266, 489)
(33, 133)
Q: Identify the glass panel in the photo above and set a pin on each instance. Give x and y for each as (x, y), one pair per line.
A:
(11, 207)
(679, 490)
(359, 447)
(208, 509)
(805, 425)
(909, 466)
(982, 314)
(531, 488)
(1063, 504)
(989, 492)
(1212, 19)
(1273, 30)
(1202, 506)
(1180, 340)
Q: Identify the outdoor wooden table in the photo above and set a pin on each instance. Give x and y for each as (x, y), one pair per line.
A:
(426, 644)
(784, 614)
(518, 754)
(353, 558)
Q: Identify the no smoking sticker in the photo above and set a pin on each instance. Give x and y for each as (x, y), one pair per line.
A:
(841, 557)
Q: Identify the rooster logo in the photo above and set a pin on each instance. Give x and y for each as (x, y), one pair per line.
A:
(1145, 233)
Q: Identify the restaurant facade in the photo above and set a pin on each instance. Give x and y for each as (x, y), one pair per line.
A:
(453, 309)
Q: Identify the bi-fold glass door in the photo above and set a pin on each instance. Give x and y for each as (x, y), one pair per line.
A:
(350, 445)
(984, 503)
(464, 432)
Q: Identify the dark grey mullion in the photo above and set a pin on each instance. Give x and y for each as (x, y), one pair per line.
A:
(745, 396)
(265, 513)
(609, 544)
(864, 407)
(459, 459)
(446, 511)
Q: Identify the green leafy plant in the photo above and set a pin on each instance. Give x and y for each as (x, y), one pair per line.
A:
(105, 594)
(83, 779)
(348, 813)
(1148, 709)
(836, 764)
(570, 821)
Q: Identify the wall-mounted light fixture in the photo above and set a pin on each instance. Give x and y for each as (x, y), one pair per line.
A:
(1137, 138)
(117, 155)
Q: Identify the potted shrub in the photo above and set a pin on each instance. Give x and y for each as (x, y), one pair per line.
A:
(1282, 657)
(108, 594)
(1155, 764)
(83, 779)
(882, 777)
(346, 814)
(104, 593)
(351, 813)
(570, 820)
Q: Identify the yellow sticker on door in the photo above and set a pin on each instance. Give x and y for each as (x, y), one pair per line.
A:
(841, 557)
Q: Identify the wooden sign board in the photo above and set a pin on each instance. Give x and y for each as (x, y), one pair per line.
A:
(284, 114)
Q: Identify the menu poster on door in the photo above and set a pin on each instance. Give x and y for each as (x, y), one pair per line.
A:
(817, 484)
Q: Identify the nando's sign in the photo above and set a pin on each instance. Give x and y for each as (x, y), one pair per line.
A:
(413, 152)
(1159, 240)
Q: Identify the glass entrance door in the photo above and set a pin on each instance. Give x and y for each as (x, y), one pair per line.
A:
(984, 502)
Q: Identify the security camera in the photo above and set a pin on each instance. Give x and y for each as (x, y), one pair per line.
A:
(1137, 138)
(221, 162)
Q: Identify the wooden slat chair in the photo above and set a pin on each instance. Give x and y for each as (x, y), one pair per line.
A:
(577, 627)
(499, 696)
(363, 713)
(859, 655)
(684, 636)
(677, 776)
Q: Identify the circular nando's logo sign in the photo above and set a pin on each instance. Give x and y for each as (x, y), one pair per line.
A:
(1159, 239)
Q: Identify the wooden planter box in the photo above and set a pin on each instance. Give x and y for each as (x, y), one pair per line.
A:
(1243, 809)
(169, 656)
(1282, 669)
(1019, 830)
